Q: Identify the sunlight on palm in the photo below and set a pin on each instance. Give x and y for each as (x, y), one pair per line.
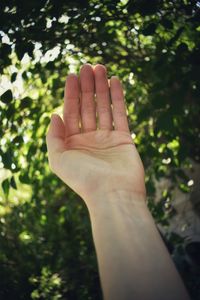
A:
(88, 157)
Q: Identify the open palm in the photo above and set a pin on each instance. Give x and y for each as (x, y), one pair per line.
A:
(91, 149)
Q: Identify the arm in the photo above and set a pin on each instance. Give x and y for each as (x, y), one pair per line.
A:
(133, 261)
(96, 157)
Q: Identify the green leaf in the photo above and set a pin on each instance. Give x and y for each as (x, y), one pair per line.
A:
(7, 158)
(7, 97)
(13, 183)
(44, 148)
(10, 111)
(5, 50)
(150, 188)
(29, 49)
(25, 102)
(20, 49)
(184, 188)
(6, 186)
(18, 139)
(24, 178)
(13, 77)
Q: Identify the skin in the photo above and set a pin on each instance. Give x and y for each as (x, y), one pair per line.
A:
(85, 157)
(92, 151)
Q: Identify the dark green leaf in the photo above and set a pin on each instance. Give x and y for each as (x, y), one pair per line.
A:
(24, 178)
(6, 186)
(25, 102)
(13, 183)
(13, 77)
(7, 159)
(44, 148)
(7, 97)
(10, 111)
(5, 50)
(18, 139)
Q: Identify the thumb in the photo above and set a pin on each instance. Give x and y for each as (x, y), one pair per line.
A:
(56, 134)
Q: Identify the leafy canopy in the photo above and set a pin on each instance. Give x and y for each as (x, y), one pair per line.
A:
(46, 247)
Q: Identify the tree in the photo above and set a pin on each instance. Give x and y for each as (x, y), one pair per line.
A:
(46, 247)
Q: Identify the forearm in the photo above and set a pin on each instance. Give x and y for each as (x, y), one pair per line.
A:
(133, 260)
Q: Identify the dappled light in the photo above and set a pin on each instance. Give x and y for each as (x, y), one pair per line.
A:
(46, 247)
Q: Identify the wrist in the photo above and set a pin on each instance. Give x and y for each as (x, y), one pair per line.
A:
(102, 203)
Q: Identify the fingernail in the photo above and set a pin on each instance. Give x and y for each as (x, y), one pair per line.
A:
(100, 65)
(85, 65)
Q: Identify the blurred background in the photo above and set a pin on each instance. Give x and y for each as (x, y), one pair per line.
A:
(46, 246)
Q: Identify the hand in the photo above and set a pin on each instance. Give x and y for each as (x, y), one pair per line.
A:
(94, 158)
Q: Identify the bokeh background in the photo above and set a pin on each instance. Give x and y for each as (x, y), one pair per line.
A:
(46, 246)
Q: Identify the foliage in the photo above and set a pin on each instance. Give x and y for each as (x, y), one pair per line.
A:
(46, 248)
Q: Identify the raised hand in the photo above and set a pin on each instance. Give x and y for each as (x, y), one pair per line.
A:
(91, 149)
(99, 161)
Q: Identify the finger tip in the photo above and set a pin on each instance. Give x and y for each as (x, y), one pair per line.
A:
(87, 64)
(54, 119)
(99, 68)
(86, 67)
(71, 75)
(115, 81)
(72, 80)
(114, 77)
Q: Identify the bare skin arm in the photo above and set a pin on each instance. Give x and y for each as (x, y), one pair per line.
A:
(92, 151)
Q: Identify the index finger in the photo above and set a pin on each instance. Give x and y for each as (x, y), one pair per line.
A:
(71, 109)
